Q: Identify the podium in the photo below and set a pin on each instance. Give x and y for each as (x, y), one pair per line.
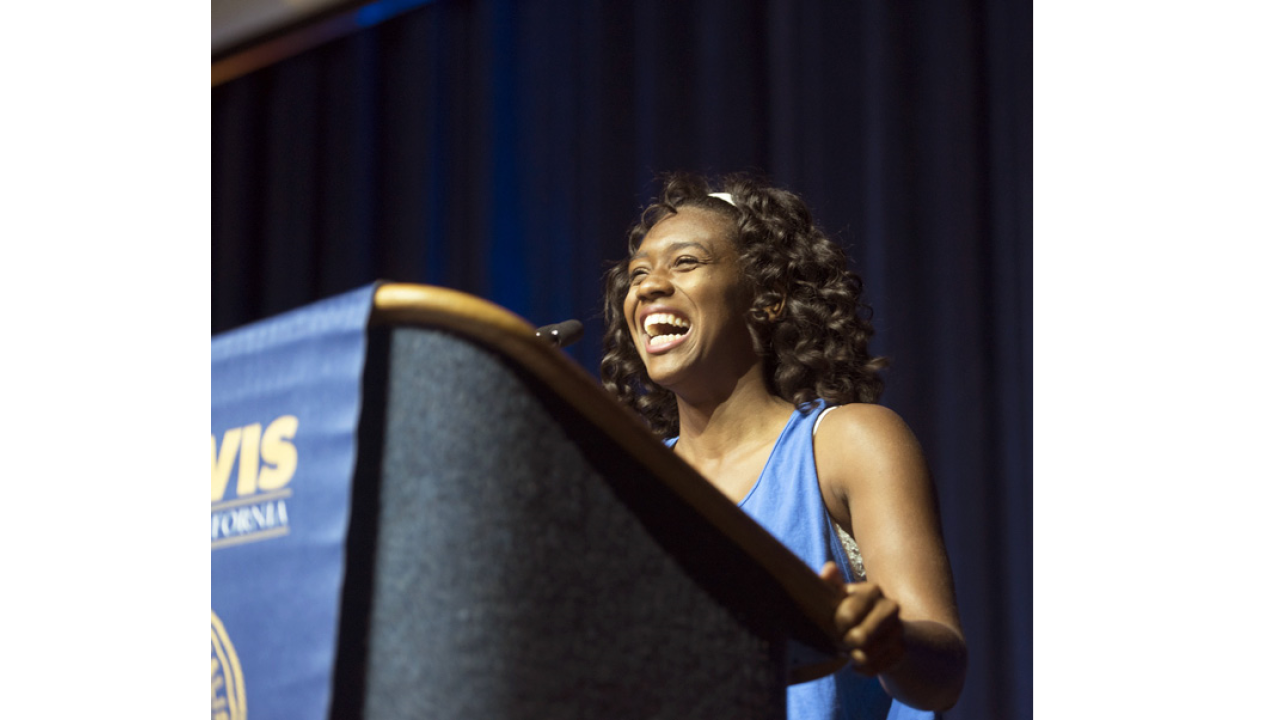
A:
(512, 544)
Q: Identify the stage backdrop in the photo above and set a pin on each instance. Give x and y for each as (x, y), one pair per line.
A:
(502, 148)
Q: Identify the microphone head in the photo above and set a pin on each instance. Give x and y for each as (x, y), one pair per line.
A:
(561, 334)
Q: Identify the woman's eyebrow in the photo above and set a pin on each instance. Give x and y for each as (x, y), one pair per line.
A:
(689, 244)
(673, 247)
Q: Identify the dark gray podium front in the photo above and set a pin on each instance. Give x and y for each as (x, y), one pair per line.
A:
(522, 547)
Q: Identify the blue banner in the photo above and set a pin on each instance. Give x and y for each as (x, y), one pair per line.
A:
(285, 408)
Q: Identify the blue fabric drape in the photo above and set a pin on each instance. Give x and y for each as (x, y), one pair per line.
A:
(502, 148)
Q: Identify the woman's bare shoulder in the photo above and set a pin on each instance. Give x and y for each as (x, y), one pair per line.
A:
(862, 443)
(865, 426)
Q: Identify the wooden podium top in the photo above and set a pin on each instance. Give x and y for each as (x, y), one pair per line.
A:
(504, 332)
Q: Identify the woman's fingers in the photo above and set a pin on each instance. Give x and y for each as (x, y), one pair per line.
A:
(860, 598)
(872, 630)
(831, 575)
(882, 647)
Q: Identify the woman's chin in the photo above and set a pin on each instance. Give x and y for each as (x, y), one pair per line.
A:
(665, 374)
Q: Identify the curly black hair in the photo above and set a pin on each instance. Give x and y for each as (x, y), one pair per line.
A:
(815, 348)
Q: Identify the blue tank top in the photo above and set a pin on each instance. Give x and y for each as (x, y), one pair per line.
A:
(787, 501)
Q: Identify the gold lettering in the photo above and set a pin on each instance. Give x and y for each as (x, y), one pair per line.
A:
(279, 452)
(247, 484)
(220, 463)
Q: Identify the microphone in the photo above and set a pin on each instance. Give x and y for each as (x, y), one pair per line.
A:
(561, 334)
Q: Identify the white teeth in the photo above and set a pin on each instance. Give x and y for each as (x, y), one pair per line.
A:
(664, 319)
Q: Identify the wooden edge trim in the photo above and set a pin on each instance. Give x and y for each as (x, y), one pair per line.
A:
(502, 331)
(294, 42)
(297, 36)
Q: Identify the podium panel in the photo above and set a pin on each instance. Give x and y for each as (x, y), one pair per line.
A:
(507, 543)
(522, 572)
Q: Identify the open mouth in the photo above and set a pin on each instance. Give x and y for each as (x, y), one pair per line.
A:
(664, 328)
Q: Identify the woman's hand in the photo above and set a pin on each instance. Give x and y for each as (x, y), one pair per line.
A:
(867, 623)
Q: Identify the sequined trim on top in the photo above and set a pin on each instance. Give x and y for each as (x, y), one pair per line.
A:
(851, 549)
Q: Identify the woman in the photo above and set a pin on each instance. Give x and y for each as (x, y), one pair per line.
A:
(736, 330)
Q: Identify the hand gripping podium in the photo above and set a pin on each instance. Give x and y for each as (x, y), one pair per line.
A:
(421, 510)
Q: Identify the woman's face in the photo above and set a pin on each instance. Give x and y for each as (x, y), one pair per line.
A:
(687, 303)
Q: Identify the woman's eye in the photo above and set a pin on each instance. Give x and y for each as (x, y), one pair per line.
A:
(686, 260)
(637, 274)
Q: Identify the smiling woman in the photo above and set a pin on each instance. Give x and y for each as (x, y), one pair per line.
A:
(735, 328)
(686, 299)
(806, 315)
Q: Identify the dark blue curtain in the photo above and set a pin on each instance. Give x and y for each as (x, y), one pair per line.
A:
(502, 148)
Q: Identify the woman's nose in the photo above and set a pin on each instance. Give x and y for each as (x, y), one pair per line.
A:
(655, 284)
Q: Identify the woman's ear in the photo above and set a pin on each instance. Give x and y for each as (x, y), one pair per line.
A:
(774, 311)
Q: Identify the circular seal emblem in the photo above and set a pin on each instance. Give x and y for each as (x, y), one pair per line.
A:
(226, 682)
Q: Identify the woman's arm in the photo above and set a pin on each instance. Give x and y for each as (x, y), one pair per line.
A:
(902, 623)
